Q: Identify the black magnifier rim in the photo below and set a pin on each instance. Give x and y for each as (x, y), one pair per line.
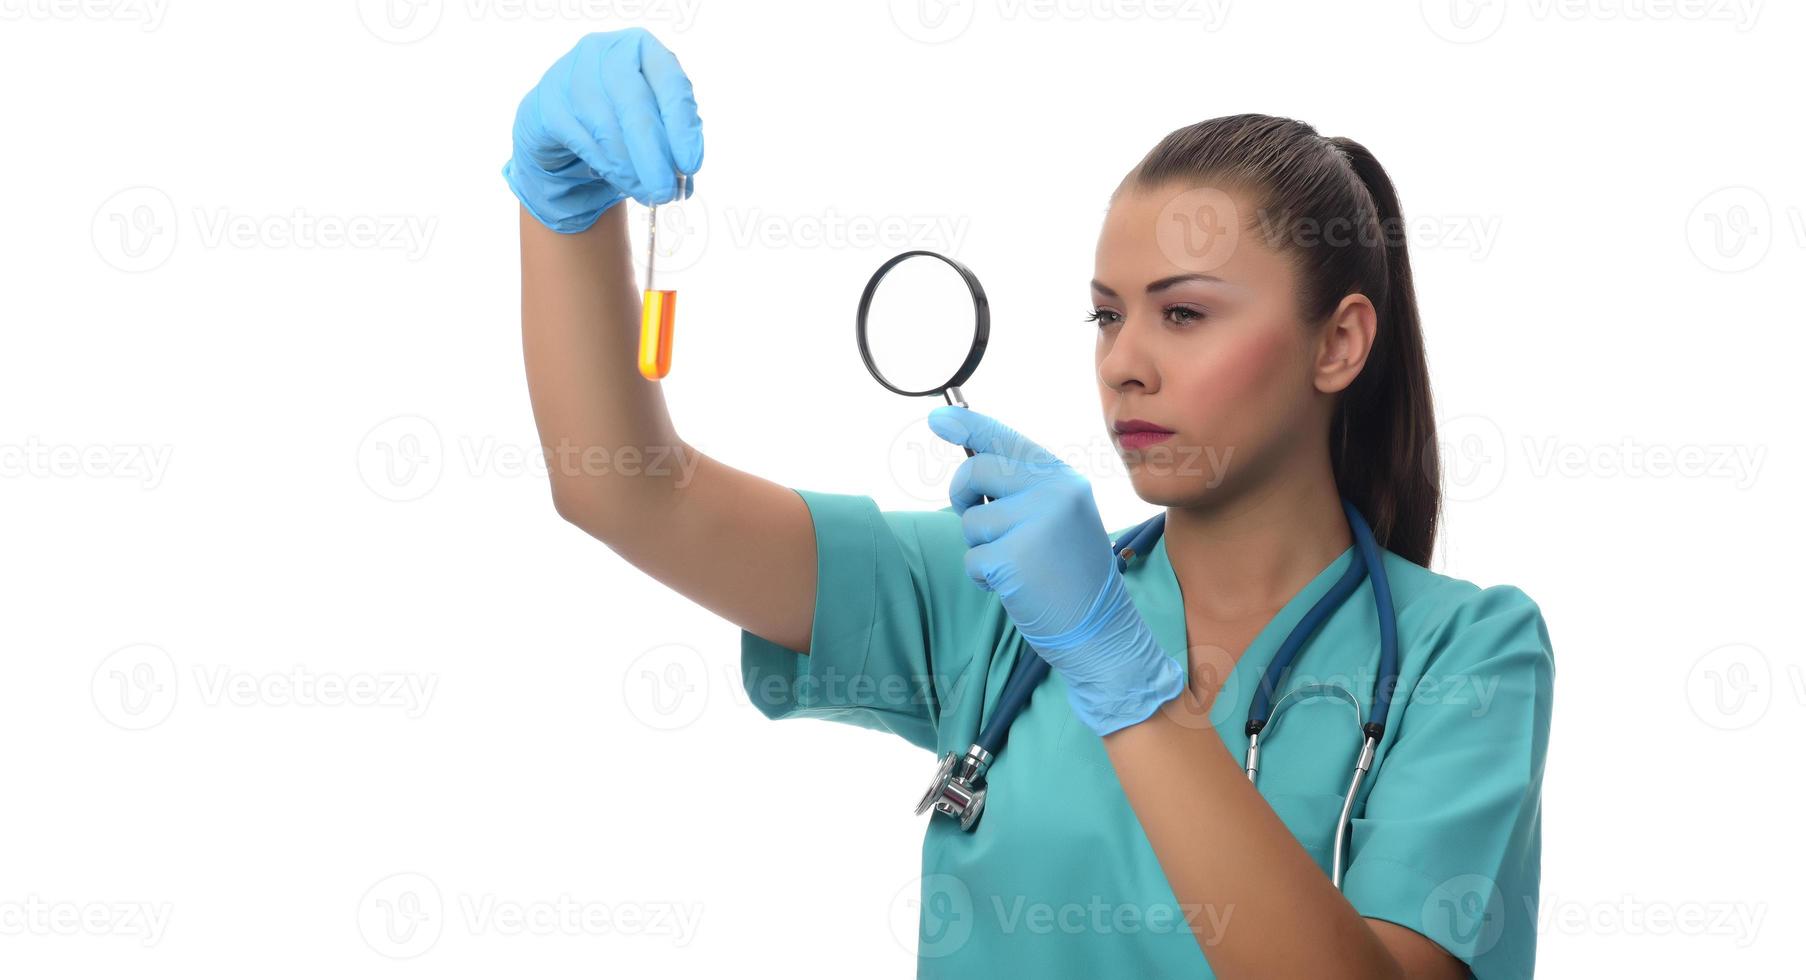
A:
(981, 324)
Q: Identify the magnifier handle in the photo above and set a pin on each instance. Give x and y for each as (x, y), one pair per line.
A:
(970, 453)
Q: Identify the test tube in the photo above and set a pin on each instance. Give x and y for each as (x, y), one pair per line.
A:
(658, 310)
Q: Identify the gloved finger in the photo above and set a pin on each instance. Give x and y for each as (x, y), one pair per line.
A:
(994, 476)
(985, 567)
(641, 127)
(984, 434)
(579, 116)
(988, 522)
(676, 104)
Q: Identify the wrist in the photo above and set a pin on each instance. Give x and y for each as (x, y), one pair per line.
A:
(1141, 684)
(1118, 675)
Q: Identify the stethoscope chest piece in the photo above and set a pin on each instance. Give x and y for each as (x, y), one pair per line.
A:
(959, 796)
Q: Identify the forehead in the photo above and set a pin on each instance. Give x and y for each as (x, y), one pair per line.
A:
(1152, 233)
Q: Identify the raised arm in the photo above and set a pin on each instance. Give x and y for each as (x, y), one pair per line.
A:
(612, 119)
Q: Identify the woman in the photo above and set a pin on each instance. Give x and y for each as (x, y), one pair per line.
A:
(1259, 364)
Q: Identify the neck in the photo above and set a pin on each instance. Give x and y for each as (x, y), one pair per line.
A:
(1246, 555)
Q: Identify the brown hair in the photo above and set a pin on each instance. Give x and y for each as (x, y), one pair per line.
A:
(1383, 434)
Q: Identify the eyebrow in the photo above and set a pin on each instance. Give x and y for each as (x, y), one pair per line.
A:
(1159, 284)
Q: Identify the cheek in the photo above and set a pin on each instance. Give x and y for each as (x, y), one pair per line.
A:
(1241, 384)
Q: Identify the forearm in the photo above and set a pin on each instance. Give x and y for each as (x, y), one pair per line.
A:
(1224, 850)
(599, 420)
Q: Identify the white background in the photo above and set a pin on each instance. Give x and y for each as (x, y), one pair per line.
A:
(242, 460)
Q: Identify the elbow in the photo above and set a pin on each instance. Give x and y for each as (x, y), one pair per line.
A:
(573, 506)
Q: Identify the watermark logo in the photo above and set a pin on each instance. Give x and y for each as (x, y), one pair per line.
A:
(1471, 451)
(1471, 21)
(401, 459)
(1475, 453)
(134, 687)
(147, 14)
(408, 21)
(933, 914)
(146, 464)
(932, 21)
(1730, 688)
(135, 229)
(940, 21)
(1730, 229)
(35, 916)
(1463, 21)
(400, 21)
(404, 915)
(1468, 910)
(401, 916)
(1197, 229)
(137, 687)
(666, 687)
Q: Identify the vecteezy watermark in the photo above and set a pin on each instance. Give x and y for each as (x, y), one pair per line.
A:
(404, 915)
(749, 228)
(1730, 687)
(1466, 911)
(1628, 915)
(687, 228)
(136, 230)
(403, 458)
(666, 687)
(1199, 229)
(1475, 454)
(137, 687)
(939, 912)
(939, 21)
(35, 916)
(823, 685)
(401, 916)
(1732, 229)
(33, 459)
(1473, 234)
(922, 463)
(407, 21)
(147, 14)
(1471, 21)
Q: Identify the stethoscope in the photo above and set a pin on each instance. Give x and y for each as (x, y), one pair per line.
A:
(925, 285)
(962, 795)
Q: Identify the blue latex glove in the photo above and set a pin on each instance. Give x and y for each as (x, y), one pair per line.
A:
(615, 117)
(1042, 548)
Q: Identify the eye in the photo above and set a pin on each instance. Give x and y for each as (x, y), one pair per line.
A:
(1180, 314)
(1098, 316)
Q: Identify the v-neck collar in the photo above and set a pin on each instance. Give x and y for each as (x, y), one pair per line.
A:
(1155, 588)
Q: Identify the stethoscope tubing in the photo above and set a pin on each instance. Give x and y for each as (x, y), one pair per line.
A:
(1032, 669)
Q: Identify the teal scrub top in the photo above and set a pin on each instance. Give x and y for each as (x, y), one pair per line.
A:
(1057, 879)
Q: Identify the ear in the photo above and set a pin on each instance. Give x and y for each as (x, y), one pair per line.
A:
(1347, 340)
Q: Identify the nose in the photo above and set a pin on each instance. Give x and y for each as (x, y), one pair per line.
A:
(1126, 356)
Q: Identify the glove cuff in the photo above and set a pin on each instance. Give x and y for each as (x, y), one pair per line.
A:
(578, 200)
(1122, 676)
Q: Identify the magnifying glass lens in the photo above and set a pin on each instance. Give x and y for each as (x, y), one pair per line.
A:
(919, 325)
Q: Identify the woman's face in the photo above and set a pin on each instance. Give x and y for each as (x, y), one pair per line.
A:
(1198, 332)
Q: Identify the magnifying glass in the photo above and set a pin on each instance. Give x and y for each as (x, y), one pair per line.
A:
(931, 312)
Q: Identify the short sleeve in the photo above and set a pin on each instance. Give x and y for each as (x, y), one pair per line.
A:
(1450, 841)
(894, 625)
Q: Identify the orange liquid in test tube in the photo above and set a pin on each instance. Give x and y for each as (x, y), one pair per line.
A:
(658, 310)
(658, 315)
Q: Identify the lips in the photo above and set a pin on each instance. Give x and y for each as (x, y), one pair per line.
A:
(1137, 425)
